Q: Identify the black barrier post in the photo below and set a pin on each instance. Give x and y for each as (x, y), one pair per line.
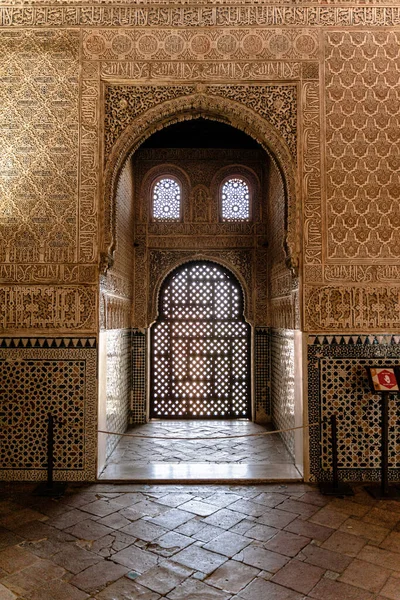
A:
(51, 488)
(385, 491)
(335, 488)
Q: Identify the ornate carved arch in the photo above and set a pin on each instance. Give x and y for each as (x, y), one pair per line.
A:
(163, 271)
(202, 104)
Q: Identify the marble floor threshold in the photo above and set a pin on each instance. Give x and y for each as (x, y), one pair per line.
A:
(210, 459)
(200, 473)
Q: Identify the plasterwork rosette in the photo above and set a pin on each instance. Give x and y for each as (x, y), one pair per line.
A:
(201, 102)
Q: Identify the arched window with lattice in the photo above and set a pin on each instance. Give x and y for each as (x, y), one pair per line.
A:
(235, 200)
(166, 199)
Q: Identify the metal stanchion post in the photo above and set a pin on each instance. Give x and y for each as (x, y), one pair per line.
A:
(335, 488)
(50, 488)
(384, 491)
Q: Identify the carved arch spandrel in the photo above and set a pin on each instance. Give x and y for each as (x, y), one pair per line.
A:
(215, 108)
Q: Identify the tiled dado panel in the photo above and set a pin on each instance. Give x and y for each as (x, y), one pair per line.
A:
(262, 374)
(282, 384)
(139, 350)
(41, 376)
(118, 384)
(337, 384)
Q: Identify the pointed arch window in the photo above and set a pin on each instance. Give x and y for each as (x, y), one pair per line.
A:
(166, 197)
(235, 200)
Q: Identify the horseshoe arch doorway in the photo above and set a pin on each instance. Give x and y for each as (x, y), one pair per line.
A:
(200, 346)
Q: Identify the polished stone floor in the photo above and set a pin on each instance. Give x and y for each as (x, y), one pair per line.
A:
(254, 450)
(128, 542)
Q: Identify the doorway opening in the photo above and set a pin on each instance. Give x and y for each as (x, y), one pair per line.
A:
(213, 304)
(200, 347)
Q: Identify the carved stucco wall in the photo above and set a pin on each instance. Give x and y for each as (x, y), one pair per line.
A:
(341, 58)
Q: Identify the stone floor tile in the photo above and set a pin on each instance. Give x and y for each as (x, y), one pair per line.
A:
(175, 499)
(310, 530)
(101, 508)
(170, 543)
(208, 533)
(232, 576)
(6, 594)
(89, 530)
(270, 499)
(276, 518)
(392, 542)
(261, 558)
(248, 508)
(380, 557)
(326, 559)
(15, 558)
(227, 544)
(314, 498)
(126, 589)
(299, 576)
(224, 518)
(199, 559)
(20, 517)
(349, 507)
(299, 508)
(384, 518)
(199, 508)
(34, 530)
(56, 590)
(365, 575)
(223, 499)
(391, 589)
(97, 577)
(147, 508)
(327, 589)
(9, 538)
(68, 519)
(368, 531)
(262, 533)
(110, 544)
(164, 577)
(33, 577)
(75, 559)
(144, 530)
(136, 559)
(114, 520)
(191, 527)
(286, 543)
(193, 589)
(329, 518)
(260, 589)
(173, 518)
(344, 543)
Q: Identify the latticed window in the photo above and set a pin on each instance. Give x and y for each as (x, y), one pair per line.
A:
(235, 200)
(200, 346)
(166, 199)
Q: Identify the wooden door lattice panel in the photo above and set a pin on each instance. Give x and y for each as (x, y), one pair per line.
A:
(200, 347)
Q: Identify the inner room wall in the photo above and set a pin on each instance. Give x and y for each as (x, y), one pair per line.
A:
(284, 320)
(115, 338)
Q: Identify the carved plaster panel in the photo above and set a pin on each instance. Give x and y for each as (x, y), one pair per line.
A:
(48, 307)
(261, 15)
(352, 308)
(363, 181)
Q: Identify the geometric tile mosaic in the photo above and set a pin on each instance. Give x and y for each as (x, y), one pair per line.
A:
(39, 381)
(338, 384)
(138, 406)
(262, 373)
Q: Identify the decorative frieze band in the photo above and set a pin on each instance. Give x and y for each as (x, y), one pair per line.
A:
(198, 16)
